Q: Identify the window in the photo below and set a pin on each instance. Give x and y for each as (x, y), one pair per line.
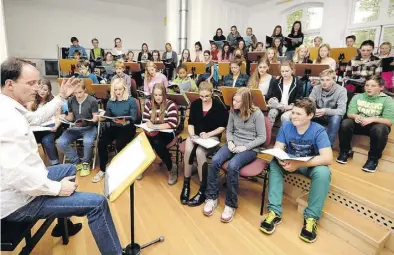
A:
(293, 17)
(366, 11)
(388, 35)
(390, 10)
(364, 34)
(311, 18)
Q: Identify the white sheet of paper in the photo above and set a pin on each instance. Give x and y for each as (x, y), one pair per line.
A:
(40, 128)
(207, 143)
(145, 127)
(124, 164)
(282, 155)
(275, 105)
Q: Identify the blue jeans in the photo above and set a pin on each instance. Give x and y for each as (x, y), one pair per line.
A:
(320, 184)
(289, 54)
(92, 205)
(47, 139)
(65, 142)
(237, 161)
(334, 123)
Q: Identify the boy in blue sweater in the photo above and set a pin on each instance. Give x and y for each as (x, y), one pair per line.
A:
(84, 71)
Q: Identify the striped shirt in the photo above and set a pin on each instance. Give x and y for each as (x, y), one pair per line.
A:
(170, 117)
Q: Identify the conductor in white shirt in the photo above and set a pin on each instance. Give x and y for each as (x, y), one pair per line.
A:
(30, 191)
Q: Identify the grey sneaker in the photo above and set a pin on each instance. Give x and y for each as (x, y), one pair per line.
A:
(139, 177)
(173, 175)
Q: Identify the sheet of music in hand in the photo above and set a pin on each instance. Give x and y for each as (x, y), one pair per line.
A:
(282, 155)
(148, 129)
(206, 143)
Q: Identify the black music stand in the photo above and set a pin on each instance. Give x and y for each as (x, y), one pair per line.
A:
(307, 70)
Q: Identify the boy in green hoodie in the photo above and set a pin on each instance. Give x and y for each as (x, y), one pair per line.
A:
(370, 113)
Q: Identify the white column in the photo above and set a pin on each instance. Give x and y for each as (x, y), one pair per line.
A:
(3, 35)
(172, 27)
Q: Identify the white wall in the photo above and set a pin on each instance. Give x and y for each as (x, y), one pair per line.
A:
(35, 27)
(3, 40)
(205, 16)
(265, 17)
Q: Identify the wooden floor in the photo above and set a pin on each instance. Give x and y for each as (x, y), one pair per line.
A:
(188, 231)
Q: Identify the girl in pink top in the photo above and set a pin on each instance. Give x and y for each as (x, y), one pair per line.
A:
(152, 77)
(225, 55)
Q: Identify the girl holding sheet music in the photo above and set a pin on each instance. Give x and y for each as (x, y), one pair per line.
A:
(161, 113)
(283, 92)
(47, 138)
(219, 35)
(294, 39)
(208, 119)
(170, 59)
(245, 135)
(144, 54)
(122, 130)
(277, 32)
(261, 79)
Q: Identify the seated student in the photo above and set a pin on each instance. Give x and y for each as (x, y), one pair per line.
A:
(80, 106)
(361, 68)
(250, 39)
(259, 47)
(323, 57)
(241, 46)
(119, 70)
(77, 55)
(300, 137)
(161, 113)
(317, 41)
(214, 52)
(156, 56)
(245, 135)
(120, 130)
(152, 77)
(47, 138)
(130, 57)
(29, 190)
(219, 35)
(197, 55)
(84, 71)
(239, 54)
(170, 59)
(296, 33)
(330, 99)
(182, 78)
(272, 56)
(278, 46)
(284, 91)
(209, 69)
(96, 55)
(235, 78)
(208, 119)
(261, 79)
(232, 37)
(301, 55)
(185, 57)
(385, 51)
(225, 54)
(109, 66)
(370, 113)
(144, 55)
(351, 42)
(75, 46)
(118, 52)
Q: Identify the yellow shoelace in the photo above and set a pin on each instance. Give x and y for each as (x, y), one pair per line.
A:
(271, 216)
(310, 223)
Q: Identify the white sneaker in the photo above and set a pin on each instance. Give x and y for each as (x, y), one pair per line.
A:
(98, 177)
(210, 206)
(227, 214)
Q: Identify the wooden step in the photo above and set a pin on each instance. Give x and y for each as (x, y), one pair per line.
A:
(348, 225)
(386, 162)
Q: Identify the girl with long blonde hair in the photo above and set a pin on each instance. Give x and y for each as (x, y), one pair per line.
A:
(261, 79)
(245, 135)
(161, 113)
(123, 109)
